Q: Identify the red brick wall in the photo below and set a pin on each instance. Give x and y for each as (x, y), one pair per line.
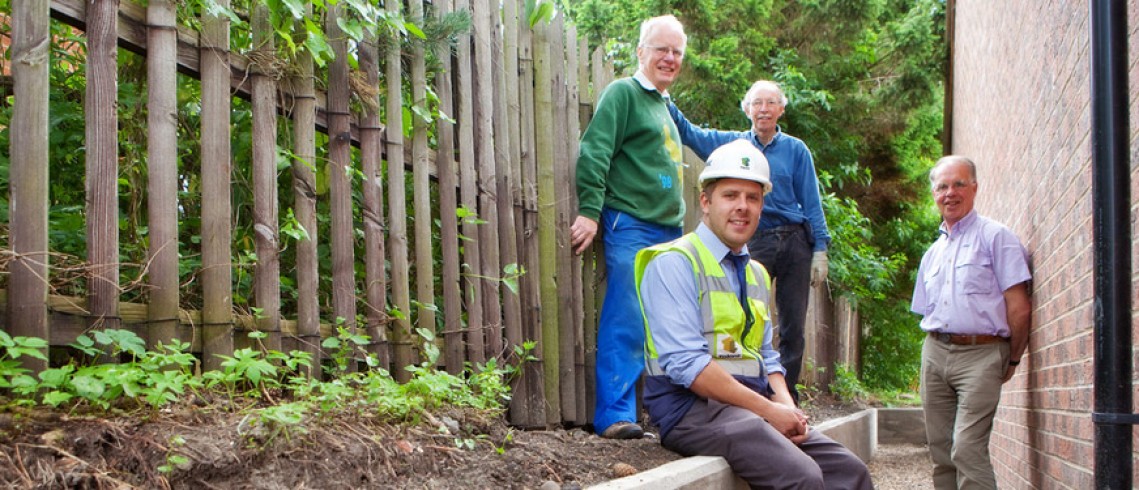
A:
(1022, 111)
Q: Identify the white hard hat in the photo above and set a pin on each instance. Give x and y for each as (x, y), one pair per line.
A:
(737, 160)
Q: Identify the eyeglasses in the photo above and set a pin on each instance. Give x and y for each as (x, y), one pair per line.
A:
(958, 185)
(762, 102)
(663, 51)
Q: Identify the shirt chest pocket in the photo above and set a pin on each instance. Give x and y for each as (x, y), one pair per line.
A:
(933, 281)
(974, 272)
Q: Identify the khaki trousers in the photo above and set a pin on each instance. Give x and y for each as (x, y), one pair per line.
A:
(960, 388)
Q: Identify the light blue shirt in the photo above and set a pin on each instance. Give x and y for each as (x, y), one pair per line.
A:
(963, 276)
(668, 292)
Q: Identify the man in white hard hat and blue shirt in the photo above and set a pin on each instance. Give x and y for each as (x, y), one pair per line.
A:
(714, 384)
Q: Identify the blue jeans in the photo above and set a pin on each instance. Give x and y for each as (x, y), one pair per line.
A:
(786, 255)
(621, 329)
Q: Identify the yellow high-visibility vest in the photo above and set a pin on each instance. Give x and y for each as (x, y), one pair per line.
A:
(732, 344)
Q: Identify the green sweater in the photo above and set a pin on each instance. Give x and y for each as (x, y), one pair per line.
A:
(630, 158)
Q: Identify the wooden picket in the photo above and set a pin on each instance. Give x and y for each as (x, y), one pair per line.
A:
(421, 176)
(102, 128)
(530, 401)
(28, 175)
(372, 208)
(162, 157)
(304, 195)
(448, 201)
(217, 166)
(397, 207)
(266, 236)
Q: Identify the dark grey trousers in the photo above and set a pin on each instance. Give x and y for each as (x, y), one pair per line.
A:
(761, 455)
(786, 254)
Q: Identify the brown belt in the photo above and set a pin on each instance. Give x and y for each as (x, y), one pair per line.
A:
(955, 339)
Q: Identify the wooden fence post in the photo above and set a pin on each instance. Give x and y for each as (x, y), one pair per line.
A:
(848, 331)
(506, 120)
(506, 182)
(575, 67)
(343, 233)
(304, 205)
(101, 108)
(28, 174)
(162, 171)
(484, 146)
(468, 188)
(448, 204)
(397, 205)
(562, 221)
(544, 142)
(421, 176)
(375, 251)
(267, 272)
(217, 167)
(533, 372)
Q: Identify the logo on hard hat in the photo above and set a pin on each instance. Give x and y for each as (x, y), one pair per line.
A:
(738, 159)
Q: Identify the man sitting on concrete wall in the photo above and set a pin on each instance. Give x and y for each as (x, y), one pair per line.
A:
(714, 383)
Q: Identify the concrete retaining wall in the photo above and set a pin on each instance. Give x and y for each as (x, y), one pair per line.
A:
(695, 473)
(901, 426)
(858, 432)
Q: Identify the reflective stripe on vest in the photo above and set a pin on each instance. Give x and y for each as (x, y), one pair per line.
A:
(724, 319)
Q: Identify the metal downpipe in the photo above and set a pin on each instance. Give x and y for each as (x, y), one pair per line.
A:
(1111, 226)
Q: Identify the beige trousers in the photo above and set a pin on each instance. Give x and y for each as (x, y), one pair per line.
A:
(960, 388)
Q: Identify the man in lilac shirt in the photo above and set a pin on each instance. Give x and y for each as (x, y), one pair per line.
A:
(972, 293)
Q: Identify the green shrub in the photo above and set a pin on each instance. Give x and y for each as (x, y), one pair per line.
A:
(847, 387)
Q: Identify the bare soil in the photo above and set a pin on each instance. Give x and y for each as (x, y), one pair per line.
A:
(207, 449)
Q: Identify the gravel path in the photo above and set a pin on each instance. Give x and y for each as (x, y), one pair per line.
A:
(901, 467)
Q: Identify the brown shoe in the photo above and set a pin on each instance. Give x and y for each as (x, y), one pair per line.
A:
(623, 430)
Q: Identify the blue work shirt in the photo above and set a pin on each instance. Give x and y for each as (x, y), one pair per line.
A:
(794, 196)
(963, 276)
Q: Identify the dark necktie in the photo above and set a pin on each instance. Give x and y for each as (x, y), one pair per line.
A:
(740, 261)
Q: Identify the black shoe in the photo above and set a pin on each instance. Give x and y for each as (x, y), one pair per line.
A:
(623, 430)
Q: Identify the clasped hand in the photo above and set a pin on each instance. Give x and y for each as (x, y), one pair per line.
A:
(789, 421)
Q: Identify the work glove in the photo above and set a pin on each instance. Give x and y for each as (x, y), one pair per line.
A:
(818, 268)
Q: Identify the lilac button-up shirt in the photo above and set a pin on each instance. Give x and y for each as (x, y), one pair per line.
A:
(963, 276)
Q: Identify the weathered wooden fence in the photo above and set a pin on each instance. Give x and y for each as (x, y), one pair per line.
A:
(518, 95)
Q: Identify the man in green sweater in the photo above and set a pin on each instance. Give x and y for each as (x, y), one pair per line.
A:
(628, 181)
